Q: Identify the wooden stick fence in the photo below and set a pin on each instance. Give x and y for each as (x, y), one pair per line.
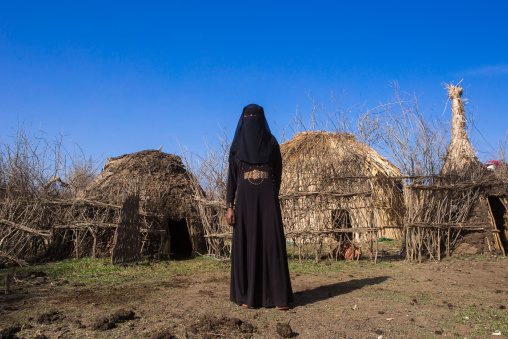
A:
(436, 216)
(59, 228)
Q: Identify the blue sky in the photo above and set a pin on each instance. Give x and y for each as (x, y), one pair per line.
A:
(119, 77)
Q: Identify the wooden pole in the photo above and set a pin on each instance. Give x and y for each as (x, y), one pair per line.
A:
(94, 247)
(488, 241)
(494, 225)
(7, 284)
(371, 248)
(448, 243)
(420, 243)
(300, 252)
(76, 243)
(375, 258)
(408, 250)
(439, 245)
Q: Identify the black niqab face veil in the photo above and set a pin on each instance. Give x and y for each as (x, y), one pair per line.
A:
(253, 140)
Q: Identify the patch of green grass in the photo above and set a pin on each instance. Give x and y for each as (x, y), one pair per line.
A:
(97, 271)
(392, 244)
(90, 270)
(62, 268)
(483, 321)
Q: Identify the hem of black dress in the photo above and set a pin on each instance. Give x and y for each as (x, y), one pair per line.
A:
(241, 303)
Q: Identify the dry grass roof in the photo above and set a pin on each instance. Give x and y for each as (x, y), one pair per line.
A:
(163, 182)
(338, 150)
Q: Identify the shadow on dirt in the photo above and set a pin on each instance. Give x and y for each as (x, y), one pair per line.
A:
(311, 296)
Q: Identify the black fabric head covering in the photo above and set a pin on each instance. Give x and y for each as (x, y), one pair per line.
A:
(253, 140)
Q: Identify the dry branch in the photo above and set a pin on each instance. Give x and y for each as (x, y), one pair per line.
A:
(336, 194)
(23, 228)
(92, 203)
(17, 261)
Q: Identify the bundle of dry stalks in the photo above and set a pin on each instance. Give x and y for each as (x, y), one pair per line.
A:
(460, 156)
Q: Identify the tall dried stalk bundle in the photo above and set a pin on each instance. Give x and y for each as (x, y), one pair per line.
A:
(460, 156)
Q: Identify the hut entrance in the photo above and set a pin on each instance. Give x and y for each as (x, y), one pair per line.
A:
(341, 220)
(181, 246)
(500, 215)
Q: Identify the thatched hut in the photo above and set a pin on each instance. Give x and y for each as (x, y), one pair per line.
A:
(490, 204)
(464, 209)
(164, 188)
(332, 183)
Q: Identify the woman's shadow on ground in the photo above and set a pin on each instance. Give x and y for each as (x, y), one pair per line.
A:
(313, 295)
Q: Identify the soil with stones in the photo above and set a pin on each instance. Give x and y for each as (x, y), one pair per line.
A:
(392, 299)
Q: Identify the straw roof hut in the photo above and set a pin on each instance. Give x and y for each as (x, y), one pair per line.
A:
(463, 211)
(331, 181)
(488, 203)
(165, 189)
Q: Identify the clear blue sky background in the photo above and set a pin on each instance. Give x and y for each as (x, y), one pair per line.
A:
(119, 76)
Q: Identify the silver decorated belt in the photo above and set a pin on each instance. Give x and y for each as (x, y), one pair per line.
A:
(255, 174)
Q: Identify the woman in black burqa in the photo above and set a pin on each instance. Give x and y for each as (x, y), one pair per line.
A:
(259, 266)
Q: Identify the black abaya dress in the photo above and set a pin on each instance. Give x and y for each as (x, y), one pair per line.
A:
(259, 267)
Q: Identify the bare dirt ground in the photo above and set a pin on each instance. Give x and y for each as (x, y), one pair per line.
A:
(463, 298)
